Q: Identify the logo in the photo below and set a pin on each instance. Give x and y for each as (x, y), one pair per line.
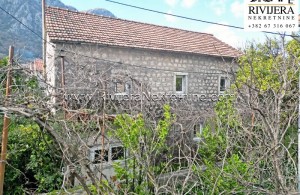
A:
(271, 15)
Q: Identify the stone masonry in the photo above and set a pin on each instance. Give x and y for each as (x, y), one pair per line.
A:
(155, 69)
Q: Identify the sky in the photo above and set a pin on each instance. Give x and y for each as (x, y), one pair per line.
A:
(220, 11)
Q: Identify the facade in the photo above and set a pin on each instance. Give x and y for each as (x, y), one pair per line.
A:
(167, 60)
(109, 57)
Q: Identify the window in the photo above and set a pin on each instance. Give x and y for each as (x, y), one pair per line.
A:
(122, 88)
(224, 84)
(181, 82)
(127, 87)
(113, 153)
(100, 157)
(118, 87)
(198, 129)
(117, 153)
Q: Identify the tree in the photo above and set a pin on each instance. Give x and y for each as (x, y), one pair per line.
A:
(32, 160)
(263, 124)
(33, 163)
(273, 99)
(249, 147)
(145, 144)
(253, 147)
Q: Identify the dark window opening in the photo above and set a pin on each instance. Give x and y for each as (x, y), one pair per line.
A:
(100, 157)
(195, 130)
(222, 84)
(117, 153)
(179, 83)
(198, 128)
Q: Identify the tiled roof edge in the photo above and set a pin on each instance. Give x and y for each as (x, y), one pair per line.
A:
(111, 18)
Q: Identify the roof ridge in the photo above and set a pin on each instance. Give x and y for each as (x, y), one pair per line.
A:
(111, 18)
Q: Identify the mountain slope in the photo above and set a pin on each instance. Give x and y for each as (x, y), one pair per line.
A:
(100, 11)
(27, 45)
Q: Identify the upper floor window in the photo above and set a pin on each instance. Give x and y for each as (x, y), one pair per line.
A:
(118, 87)
(122, 87)
(223, 84)
(181, 83)
(127, 87)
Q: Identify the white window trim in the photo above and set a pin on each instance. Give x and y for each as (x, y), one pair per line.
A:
(200, 131)
(185, 82)
(227, 83)
(110, 153)
(109, 148)
(93, 153)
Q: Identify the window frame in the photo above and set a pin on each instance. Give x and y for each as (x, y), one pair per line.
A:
(227, 83)
(115, 85)
(94, 161)
(126, 90)
(92, 154)
(111, 153)
(199, 131)
(184, 77)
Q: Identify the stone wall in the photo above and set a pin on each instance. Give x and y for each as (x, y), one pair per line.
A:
(90, 66)
(93, 69)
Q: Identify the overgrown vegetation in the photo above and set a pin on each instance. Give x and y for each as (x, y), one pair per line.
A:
(249, 147)
(144, 144)
(33, 161)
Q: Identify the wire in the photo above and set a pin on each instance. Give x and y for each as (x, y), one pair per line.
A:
(21, 22)
(193, 19)
(25, 26)
(137, 8)
(91, 56)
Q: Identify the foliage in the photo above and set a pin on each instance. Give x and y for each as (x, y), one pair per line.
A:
(238, 154)
(250, 148)
(32, 159)
(144, 143)
(262, 116)
(33, 162)
(225, 172)
(261, 66)
(3, 62)
(222, 169)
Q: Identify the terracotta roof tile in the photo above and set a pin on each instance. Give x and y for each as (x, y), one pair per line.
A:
(66, 25)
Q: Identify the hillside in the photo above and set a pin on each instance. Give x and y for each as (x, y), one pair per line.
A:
(27, 45)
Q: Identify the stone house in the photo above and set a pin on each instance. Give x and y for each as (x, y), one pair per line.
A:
(88, 53)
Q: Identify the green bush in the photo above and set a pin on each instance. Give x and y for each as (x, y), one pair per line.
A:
(32, 160)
